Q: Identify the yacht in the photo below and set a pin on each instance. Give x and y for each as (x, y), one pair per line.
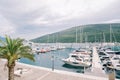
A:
(116, 62)
(78, 60)
(53, 48)
(42, 50)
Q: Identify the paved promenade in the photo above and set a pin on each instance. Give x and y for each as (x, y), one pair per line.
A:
(30, 72)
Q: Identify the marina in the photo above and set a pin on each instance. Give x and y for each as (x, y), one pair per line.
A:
(60, 40)
(53, 60)
(52, 65)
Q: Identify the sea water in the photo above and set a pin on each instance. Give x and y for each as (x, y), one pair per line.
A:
(45, 60)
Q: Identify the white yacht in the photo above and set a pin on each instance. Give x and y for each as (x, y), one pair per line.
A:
(116, 62)
(53, 48)
(78, 60)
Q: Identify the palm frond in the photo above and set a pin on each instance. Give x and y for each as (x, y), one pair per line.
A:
(28, 56)
(13, 49)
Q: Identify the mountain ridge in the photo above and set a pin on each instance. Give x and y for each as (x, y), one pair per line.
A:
(85, 33)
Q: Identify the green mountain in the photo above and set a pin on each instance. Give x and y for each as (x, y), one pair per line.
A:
(84, 33)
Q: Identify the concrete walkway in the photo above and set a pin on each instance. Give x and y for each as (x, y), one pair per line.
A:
(96, 66)
(96, 60)
(30, 72)
(96, 69)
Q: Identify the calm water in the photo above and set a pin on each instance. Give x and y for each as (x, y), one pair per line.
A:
(44, 60)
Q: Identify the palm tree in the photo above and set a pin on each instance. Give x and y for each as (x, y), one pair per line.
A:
(12, 50)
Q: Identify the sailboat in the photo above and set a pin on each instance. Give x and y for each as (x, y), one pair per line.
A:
(113, 55)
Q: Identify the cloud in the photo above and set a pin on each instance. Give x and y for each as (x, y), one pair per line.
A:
(39, 17)
(113, 21)
(69, 10)
(6, 27)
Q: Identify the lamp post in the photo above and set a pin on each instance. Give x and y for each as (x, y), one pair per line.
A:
(52, 62)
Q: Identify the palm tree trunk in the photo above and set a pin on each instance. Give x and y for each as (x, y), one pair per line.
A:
(11, 73)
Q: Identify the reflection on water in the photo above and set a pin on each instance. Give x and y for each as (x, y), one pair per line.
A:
(78, 69)
(117, 73)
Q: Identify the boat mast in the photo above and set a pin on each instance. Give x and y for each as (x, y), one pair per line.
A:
(85, 37)
(95, 38)
(76, 34)
(103, 37)
(110, 34)
(81, 34)
(53, 38)
(48, 39)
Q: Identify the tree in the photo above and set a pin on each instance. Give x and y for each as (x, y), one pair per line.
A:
(12, 50)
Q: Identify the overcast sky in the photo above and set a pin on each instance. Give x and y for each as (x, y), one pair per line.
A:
(33, 18)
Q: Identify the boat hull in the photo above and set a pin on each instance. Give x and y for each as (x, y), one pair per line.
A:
(77, 64)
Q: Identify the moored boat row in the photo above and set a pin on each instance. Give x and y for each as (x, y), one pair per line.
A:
(79, 57)
(110, 60)
(46, 49)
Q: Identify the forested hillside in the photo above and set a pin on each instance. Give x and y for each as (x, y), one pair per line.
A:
(84, 33)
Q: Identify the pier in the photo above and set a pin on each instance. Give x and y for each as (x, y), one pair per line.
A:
(96, 68)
